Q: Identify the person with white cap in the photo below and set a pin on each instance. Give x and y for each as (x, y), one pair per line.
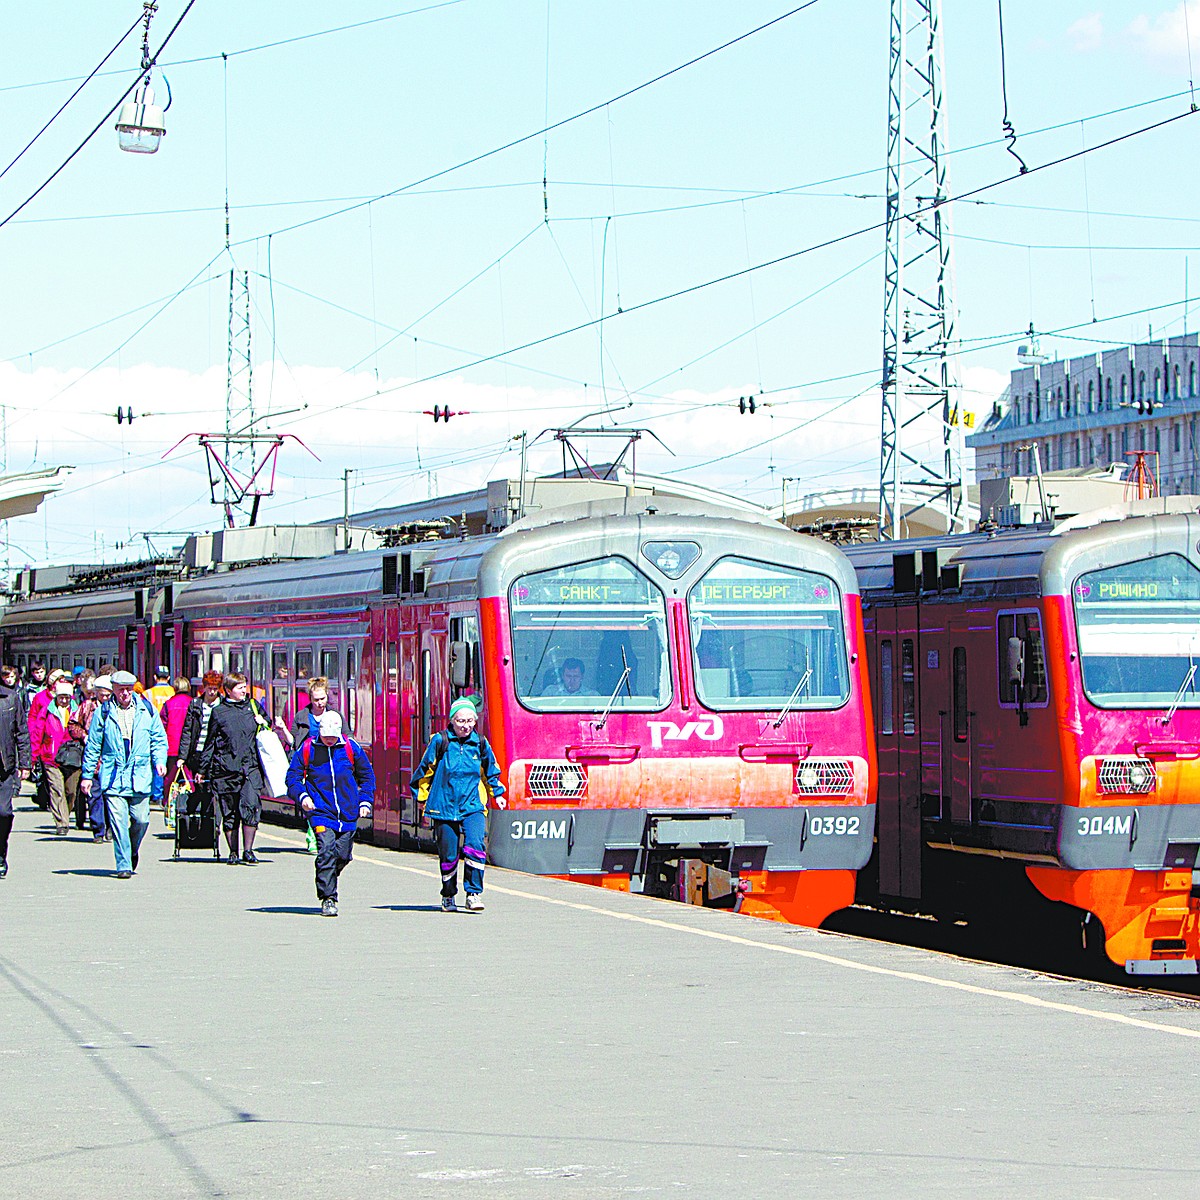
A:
(331, 779)
(127, 745)
(456, 775)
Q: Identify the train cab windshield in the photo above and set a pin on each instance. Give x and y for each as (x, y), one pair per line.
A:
(589, 635)
(1139, 633)
(768, 636)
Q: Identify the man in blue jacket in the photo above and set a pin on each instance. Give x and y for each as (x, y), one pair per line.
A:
(127, 747)
(331, 779)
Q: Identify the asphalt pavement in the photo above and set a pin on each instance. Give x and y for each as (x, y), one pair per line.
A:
(200, 1030)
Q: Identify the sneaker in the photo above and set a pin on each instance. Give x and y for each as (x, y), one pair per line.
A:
(99, 839)
(124, 874)
(3, 867)
(233, 860)
(448, 904)
(134, 858)
(62, 831)
(250, 859)
(329, 908)
(474, 904)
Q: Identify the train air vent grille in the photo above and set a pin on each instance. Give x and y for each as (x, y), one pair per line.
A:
(1127, 773)
(557, 781)
(825, 777)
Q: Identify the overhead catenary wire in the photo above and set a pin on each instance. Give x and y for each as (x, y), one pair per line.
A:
(65, 104)
(101, 123)
(767, 264)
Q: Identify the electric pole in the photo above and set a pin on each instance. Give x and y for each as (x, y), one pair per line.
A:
(920, 451)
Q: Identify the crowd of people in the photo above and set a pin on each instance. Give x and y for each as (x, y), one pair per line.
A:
(102, 749)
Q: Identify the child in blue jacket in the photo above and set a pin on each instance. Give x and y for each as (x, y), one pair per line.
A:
(457, 773)
(331, 779)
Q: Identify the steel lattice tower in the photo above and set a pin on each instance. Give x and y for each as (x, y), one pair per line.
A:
(239, 389)
(920, 454)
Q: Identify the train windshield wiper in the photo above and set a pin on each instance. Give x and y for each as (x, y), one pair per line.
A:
(1188, 679)
(622, 682)
(787, 708)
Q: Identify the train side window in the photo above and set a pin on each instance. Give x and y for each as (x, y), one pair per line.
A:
(91, 662)
(329, 664)
(887, 688)
(236, 661)
(908, 688)
(258, 666)
(959, 673)
(426, 705)
(304, 663)
(79, 660)
(53, 662)
(1027, 626)
(218, 661)
(378, 669)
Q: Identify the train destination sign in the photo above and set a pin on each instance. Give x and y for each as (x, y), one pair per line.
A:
(559, 590)
(781, 592)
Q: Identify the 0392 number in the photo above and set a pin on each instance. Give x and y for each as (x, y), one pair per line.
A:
(834, 826)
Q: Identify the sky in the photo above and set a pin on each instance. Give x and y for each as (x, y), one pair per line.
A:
(385, 183)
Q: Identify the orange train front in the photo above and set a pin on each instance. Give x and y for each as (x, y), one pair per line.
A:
(1037, 701)
(682, 710)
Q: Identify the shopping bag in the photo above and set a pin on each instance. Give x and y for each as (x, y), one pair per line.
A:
(274, 760)
(180, 788)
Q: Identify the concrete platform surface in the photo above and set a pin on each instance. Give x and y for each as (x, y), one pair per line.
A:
(200, 1031)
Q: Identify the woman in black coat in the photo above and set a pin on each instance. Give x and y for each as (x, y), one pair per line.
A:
(229, 764)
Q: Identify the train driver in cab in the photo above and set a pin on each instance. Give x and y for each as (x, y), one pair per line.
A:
(570, 680)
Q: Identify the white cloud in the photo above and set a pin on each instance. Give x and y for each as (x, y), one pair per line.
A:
(1087, 34)
(122, 486)
(1162, 38)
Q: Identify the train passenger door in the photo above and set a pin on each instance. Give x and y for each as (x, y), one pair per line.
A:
(429, 712)
(961, 731)
(934, 668)
(899, 752)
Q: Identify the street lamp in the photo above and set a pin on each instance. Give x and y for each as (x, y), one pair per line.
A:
(140, 126)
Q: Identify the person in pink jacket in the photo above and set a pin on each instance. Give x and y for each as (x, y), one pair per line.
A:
(38, 705)
(52, 734)
(173, 711)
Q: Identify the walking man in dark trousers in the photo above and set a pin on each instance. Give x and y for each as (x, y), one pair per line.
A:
(331, 779)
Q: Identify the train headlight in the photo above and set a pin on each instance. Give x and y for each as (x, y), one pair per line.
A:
(570, 781)
(1127, 773)
(1141, 777)
(809, 779)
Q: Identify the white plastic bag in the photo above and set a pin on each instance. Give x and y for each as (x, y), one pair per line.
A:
(274, 760)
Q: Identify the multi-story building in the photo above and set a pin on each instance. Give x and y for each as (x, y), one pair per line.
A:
(1100, 409)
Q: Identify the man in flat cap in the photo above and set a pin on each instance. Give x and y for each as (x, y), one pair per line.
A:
(127, 745)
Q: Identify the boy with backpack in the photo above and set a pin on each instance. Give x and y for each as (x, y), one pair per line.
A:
(457, 773)
(331, 779)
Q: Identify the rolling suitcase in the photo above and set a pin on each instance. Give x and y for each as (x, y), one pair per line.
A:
(196, 826)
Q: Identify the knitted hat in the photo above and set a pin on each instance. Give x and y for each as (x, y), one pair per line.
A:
(463, 704)
(63, 688)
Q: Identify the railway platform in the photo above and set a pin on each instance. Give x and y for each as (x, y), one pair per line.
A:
(200, 1030)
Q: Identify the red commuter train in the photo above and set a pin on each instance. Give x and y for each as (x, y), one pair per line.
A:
(1037, 716)
(677, 698)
